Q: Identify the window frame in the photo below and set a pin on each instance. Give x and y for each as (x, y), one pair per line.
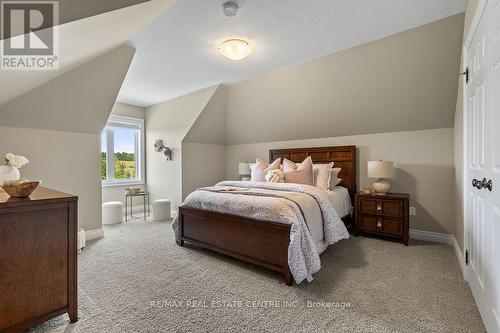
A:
(139, 153)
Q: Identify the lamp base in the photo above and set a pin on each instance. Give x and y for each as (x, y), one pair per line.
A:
(381, 187)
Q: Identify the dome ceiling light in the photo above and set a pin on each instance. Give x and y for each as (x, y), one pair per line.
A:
(235, 49)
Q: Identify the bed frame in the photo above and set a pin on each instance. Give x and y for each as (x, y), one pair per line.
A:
(262, 243)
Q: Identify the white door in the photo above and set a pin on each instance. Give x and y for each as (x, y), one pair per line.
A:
(483, 165)
(494, 10)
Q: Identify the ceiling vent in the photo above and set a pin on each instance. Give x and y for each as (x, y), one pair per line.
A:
(230, 8)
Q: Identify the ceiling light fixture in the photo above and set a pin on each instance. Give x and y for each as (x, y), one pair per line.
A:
(235, 49)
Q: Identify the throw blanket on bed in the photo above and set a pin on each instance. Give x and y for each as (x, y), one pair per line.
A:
(275, 176)
(277, 202)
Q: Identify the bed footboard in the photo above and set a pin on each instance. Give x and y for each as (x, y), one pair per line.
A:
(262, 243)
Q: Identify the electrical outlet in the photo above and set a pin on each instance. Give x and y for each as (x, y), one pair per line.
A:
(413, 211)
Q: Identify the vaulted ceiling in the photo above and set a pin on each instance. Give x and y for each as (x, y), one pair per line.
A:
(83, 40)
(176, 54)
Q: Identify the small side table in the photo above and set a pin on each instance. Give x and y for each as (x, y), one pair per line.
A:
(145, 197)
(382, 215)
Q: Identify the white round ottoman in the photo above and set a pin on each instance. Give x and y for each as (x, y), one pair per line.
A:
(161, 210)
(112, 212)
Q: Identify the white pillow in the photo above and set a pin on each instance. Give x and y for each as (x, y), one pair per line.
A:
(321, 175)
(338, 181)
(335, 177)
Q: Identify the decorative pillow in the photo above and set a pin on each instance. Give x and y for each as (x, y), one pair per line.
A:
(260, 169)
(338, 181)
(301, 173)
(321, 173)
(334, 177)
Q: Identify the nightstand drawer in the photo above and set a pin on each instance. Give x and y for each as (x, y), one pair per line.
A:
(381, 207)
(387, 225)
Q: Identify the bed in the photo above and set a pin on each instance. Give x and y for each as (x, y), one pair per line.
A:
(272, 243)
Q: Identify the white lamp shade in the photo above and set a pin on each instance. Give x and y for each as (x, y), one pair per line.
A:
(243, 169)
(380, 169)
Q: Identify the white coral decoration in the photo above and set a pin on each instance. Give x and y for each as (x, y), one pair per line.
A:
(17, 161)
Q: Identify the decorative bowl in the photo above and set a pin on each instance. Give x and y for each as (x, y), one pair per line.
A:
(19, 188)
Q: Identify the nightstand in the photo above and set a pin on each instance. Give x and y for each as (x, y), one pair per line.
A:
(382, 215)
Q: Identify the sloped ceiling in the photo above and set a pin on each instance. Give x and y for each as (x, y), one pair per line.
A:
(210, 126)
(83, 40)
(72, 10)
(404, 82)
(177, 53)
(172, 120)
(77, 101)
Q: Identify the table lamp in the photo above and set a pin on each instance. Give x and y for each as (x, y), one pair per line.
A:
(381, 170)
(244, 170)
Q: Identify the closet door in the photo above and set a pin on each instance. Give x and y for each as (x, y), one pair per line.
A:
(483, 165)
(494, 10)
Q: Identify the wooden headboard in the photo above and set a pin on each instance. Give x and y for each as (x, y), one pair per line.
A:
(343, 157)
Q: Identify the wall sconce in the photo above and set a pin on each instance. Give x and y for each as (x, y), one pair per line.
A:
(160, 148)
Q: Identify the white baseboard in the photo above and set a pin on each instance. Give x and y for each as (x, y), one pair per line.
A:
(460, 256)
(94, 234)
(429, 236)
(438, 237)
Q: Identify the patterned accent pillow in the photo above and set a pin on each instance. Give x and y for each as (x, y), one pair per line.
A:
(301, 173)
(261, 168)
(321, 173)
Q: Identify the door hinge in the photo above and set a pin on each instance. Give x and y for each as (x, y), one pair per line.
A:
(466, 257)
(466, 73)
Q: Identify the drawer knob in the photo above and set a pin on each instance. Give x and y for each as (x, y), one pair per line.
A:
(379, 223)
(379, 206)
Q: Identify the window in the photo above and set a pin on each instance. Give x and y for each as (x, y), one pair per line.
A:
(122, 151)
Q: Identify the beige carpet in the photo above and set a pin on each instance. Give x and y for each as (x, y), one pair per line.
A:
(137, 279)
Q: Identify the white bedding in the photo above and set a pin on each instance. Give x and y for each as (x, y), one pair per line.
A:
(343, 206)
(341, 200)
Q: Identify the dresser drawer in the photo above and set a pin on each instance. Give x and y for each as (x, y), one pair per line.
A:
(388, 225)
(381, 207)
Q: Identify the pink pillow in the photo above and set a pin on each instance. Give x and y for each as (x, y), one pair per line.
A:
(301, 173)
(260, 169)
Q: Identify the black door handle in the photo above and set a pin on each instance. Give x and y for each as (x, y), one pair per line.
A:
(480, 184)
(487, 184)
(477, 184)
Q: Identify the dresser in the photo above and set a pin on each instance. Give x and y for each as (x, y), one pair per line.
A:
(38, 264)
(385, 216)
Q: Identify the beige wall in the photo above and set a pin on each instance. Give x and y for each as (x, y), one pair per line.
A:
(128, 110)
(57, 127)
(402, 82)
(458, 135)
(423, 161)
(170, 121)
(210, 126)
(117, 193)
(202, 165)
(68, 162)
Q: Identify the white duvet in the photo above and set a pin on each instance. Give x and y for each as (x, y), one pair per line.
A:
(306, 208)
